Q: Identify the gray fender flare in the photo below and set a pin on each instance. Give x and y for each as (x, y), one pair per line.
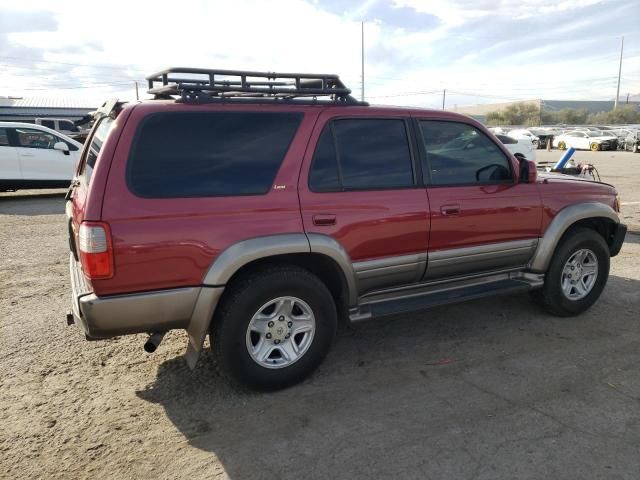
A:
(234, 257)
(562, 221)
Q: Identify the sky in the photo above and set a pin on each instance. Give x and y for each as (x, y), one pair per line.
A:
(480, 51)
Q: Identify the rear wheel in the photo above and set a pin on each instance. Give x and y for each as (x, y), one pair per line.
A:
(577, 274)
(595, 147)
(274, 328)
(562, 145)
(635, 148)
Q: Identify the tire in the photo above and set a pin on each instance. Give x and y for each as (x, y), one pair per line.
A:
(594, 147)
(634, 149)
(552, 296)
(562, 146)
(288, 288)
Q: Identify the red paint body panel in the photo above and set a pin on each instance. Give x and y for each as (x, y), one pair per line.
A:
(369, 224)
(487, 214)
(168, 243)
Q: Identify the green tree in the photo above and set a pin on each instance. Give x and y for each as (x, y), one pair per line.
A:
(521, 113)
(494, 118)
(572, 116)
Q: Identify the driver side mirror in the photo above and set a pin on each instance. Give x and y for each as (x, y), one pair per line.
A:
(61, 146)
(528, 170)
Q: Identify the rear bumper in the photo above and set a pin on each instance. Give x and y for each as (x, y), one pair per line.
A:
(617, 239)
(146, 312)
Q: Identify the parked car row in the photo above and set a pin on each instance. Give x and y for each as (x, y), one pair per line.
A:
(582, 137)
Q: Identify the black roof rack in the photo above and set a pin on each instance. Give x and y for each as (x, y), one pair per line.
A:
(196, 85)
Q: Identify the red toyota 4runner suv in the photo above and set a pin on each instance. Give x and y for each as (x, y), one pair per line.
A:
(261, 208)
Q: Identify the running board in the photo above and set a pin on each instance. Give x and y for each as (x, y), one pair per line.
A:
(424, 296)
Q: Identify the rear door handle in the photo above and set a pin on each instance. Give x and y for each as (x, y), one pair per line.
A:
(450, 209)
(324, 219)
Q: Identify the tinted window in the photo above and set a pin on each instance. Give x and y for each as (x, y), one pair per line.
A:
(324, 175)
(32, 138)
(459, 154)
(48, 123)
(373, 153)
(507, 140)
(209, 153)
(100, 134)
(4, 137)
(68, 126)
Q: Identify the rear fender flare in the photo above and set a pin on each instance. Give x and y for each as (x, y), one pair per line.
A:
(234, 257)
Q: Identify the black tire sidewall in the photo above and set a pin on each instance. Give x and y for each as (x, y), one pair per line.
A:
(575, 240)
(230, 339)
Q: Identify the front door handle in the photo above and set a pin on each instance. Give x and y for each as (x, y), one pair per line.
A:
(324, 220)
(450, 209)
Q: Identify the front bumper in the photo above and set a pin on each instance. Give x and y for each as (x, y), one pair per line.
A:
(146, 312)
(617, 239)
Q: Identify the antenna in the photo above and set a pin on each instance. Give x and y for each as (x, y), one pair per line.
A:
(615, 103)
(362, 65)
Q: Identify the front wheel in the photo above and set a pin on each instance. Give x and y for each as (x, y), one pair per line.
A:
(274, 328)
(635, 149)
(577, 273)
(595, 147)
(562, 146)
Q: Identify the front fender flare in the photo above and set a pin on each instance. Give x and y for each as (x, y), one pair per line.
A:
(559, 225)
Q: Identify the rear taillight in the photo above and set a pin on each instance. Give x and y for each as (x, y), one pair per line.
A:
(96, 252)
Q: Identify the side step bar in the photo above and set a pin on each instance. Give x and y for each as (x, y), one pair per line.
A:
(424, 296)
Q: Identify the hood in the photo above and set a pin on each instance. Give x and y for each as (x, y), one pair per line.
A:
(560, 178)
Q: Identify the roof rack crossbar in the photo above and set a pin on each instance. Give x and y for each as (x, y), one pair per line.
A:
(190, 83)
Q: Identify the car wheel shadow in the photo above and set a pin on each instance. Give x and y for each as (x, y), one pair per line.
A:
(394, 395)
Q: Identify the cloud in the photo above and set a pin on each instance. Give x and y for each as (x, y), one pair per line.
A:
(12, 21)
(510, 49)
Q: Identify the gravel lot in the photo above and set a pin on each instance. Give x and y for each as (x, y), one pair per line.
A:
(489, 389)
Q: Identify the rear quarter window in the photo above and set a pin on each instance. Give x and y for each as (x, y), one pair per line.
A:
(208, 154)
(95, 145)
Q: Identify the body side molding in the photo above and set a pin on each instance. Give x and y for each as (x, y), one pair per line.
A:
(562, 221)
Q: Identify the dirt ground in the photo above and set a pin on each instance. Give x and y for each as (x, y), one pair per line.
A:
(489, 389)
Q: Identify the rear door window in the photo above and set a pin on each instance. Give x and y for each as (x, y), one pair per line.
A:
(362, 154)
(49, 124)
(205, 154)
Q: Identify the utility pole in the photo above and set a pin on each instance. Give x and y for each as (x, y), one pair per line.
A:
(615, 103)
(137, 95)
(444, 96)
(362, 59)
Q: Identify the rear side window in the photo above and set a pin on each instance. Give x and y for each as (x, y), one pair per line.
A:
(95, 145)
(206, 154)
(49, 124)
(362, 154)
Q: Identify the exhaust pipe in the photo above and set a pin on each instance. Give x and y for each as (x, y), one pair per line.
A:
(151, 345)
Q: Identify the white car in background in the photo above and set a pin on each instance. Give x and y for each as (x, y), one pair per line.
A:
(519, 145)
(524, 133)
(33, 156)
(585, 140)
